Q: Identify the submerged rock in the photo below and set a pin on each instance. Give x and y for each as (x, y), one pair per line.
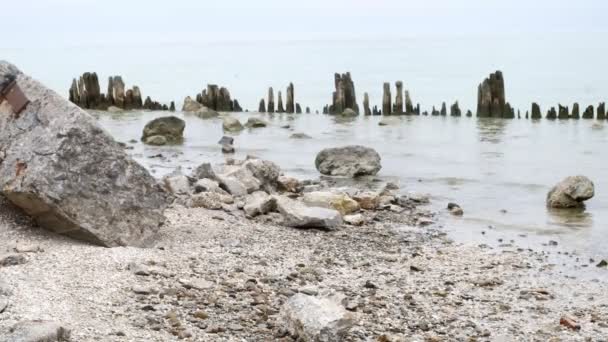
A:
(313, 319)
(348, 161)
(349, 113)
(255, 123)
(571, 192)
(106, 197)
(297, 215)
(171, 128)
(300, 136)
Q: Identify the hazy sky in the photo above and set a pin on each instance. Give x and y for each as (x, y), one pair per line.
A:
(64, 22)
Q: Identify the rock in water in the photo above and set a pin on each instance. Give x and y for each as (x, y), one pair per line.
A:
(66, 172)
(255, 123)
(348, 113)
(297, 215)
(169, 127)
(38, 331)
(348, 161)
(491, 97)
(366, 109)
(190, 105)
(289, 99)
(231, 124)
(386, 99)
(313, 319)
(344, 95)
(571, 192)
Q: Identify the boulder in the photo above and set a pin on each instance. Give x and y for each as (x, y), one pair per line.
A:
(312, 319)
(209, 185)
(38, 331)
(169, 127)
(259, 203)
(571, 192)
(255, 123)
(348, 161)
(65, 171)
(338, 201)
(248, 176)
(231, 124)
(297, 215)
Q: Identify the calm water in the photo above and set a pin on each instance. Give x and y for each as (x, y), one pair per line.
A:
(487, 166)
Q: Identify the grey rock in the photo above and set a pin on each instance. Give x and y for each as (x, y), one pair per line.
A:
(571, 192)
(169, 127)
(177, 184)
(313, 319)
(255, 123)
(156, 140)
(38, 331)
(231, 124)
(259, 203)
(207, 200)
(191, 105)
(105, 198)
(206, 113)
(331, 200)
(12, 260)
(295, 214)
(348, 161)
(227, 149)
(205, 170)
(355, 220)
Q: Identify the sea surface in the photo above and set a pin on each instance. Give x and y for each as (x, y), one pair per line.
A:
(499, 171)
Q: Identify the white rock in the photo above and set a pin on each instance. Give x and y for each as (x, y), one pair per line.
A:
(313, 319)
(296, 214)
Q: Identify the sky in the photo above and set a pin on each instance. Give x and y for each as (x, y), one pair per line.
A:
(65, 22)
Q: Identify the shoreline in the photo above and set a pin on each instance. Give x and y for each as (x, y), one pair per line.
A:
(402, 284)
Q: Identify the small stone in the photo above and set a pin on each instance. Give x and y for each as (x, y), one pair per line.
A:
(199, 284)
(143, 290)
(369, 285)
(200, 315)
(12, 260)
(28, 248)
(570, 323)
(603, 264)
(3, 303)
(355, 220)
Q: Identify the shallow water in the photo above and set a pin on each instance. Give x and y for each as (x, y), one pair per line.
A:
(498, 170)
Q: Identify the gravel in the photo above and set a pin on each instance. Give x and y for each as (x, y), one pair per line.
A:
(217, 276)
